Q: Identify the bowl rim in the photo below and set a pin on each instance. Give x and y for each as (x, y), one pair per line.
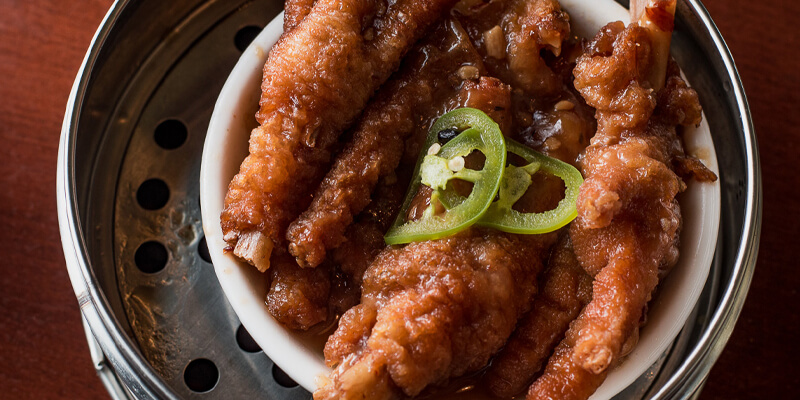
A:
(693, 371)
(306, 364)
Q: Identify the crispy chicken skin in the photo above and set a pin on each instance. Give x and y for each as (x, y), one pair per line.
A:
(365, 240)
(611, 78)
(294, 12)
(427, 79)
(298, 297)
(432, 310)
(566, 289)
(563, 379)
(318, 77)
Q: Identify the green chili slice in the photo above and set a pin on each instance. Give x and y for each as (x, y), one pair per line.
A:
(478, 132)
(515, 183)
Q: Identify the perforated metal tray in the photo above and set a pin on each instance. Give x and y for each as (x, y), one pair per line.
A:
(157, 321)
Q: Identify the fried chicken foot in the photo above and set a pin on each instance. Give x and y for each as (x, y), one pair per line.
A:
(631, 183)
(318, 77)
(431, 311)
(365, 237)
(561, 128)
(428, 77)
(565, 377)
(566, 289)
(628, 179)
(630, 254)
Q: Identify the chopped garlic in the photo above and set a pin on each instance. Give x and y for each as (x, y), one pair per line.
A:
(564, 105)
(468, 72)
(552, 143)
(495, 42)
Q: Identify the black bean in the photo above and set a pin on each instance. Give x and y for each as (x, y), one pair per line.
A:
(445, 135)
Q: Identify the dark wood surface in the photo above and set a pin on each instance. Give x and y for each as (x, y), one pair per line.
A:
(43, 351)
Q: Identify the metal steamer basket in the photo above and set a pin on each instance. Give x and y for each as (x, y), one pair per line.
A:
(158, 324)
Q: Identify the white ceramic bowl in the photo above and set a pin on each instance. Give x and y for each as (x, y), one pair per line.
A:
(300, 356)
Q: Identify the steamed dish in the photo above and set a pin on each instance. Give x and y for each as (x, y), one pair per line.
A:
(350, 94)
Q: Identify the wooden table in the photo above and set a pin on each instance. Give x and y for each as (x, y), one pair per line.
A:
(43, 350)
